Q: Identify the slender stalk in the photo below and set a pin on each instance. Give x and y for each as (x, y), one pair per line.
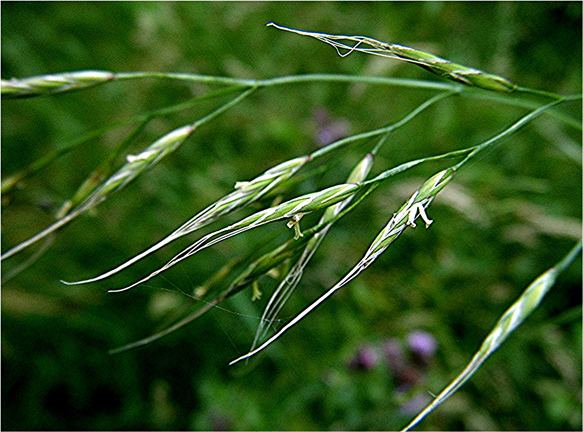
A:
(512, 129)
(385, 130)
(510, 99)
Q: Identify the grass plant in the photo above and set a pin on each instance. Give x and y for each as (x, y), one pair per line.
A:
(333, 201)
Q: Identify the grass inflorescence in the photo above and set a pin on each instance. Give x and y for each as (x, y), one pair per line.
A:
(334, 202)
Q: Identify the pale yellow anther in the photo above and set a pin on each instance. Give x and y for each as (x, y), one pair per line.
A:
(412, 215)
(241, 184)
(294, 223)
(418, 209)
(424, 216)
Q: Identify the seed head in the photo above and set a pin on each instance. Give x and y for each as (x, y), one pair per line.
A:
(50, 84)
(419, 201)
(345, 45)
(136, 164)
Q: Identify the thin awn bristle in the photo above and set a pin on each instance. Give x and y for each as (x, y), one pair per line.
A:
(406, 216)
(510, 320)
(432, 63)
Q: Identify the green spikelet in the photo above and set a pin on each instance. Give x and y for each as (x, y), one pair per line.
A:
(411, 210)
(49, 84)
(432, 63)
(510, 320)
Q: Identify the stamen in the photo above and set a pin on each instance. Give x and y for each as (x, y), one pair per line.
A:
(295, 223)
(424, 216)
(412, 215)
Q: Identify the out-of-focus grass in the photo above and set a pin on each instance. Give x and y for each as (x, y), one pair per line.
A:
(505, 220)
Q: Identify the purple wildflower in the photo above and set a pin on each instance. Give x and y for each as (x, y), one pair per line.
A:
(422, 344)
(365, 358)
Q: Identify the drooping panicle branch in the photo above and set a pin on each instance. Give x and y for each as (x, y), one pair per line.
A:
(415, 207)
(288, 284)
(508, 322)
(345, 45)
(247, 192)
(134, 166)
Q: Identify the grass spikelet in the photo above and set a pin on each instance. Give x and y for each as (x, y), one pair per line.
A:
(437, 65)
(134, 166)
(249, 191)
(244, 194)
(510, 320)
(303, 204)
(50, 84)
(406, 216)
(287, 286)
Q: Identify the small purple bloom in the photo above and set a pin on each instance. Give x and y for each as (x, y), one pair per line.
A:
(422, 344)
(220, 422)
(366, 358)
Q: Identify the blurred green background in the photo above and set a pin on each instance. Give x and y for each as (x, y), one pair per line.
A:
(506, 218)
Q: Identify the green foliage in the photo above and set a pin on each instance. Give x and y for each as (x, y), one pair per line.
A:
(506, 217)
